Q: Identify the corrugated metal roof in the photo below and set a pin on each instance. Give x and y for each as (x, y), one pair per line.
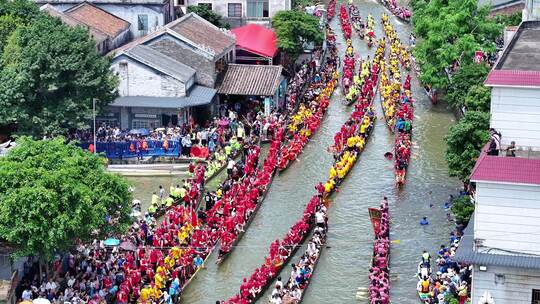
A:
(161, 62)
(513, 78)
(516, 170)
(466, 253)
(198, 96)
(247, 79)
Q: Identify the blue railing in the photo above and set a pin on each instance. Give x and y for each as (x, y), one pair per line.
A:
(118, 150)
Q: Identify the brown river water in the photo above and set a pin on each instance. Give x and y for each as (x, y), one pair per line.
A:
(343, 266)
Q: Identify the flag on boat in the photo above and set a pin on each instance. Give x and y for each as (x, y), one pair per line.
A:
(375, 217)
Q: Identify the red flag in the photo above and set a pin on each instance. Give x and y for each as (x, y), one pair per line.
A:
(194, 219)
(375, 217)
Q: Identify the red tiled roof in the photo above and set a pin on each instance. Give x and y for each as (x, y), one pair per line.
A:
(99, 19)
(256, 39)
(506, 169)
(513, 78)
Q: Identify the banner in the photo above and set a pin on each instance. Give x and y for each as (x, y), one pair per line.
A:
(375, 217)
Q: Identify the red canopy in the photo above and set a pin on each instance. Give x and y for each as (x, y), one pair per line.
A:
(256, 39)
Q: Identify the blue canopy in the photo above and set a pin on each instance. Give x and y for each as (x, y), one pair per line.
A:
(142, 132)
(111, 242)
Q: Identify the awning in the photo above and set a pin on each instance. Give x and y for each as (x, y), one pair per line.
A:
(256, 39)
(466, 253)
(247, 79)
(198, 96)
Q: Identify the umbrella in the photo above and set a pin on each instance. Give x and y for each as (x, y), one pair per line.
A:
(223, 122)
(41, 301)
(111, 242)
(26, 302)
(371, 34)
(127, 245)
(160, 129)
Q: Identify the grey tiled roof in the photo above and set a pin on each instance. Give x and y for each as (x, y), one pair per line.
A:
(198, 96)
(161, 62)
(247, 79)
(468, 254)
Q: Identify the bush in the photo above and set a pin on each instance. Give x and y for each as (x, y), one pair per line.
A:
(463, 208)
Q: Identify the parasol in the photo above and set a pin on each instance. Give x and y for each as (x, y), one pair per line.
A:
(127, 245)
(223, 122)
(111, 242)
(371, 34)
(135, 213)
(41, 301)
(142, 132)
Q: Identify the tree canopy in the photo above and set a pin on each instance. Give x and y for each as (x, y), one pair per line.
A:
(52, 193)
(294, 28)
(468, 75)
(464, 141)
(208, 14)
(450, 31)
(49, 75)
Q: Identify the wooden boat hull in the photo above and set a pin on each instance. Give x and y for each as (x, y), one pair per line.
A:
(222, 258)
(285, 262)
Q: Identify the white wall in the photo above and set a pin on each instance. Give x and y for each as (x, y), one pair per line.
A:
(130, 14)
(508, 217)
(515, 112)
(514, 287)
(139, 80)
(221, 6)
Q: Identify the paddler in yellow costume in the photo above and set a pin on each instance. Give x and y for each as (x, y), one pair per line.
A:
(349, 48)
(353, 91)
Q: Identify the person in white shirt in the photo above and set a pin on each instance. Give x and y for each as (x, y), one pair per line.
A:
(27, 295)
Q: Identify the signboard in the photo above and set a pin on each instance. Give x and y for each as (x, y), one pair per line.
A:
(145, 115)
(375, 217)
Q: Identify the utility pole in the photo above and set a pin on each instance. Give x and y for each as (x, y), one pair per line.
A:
(94, 114)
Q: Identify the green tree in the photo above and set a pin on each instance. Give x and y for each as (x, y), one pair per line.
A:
(294, 28)
(451, 30)
(208, 14)
(467, 76)
(53, 193)
(463, 208)
(478, 98)
(49, 76)
(464, 141)
(513, 19)
(14, 14)
(8, 24)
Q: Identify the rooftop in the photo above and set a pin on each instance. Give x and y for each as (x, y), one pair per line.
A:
(99, 19)
(497, 4)
(248, 79)
(198, 95)
(161, 62)
(202, 33)
(98, 35)
(522, 52)
(519, 64)
(256, 39)
(125, 2)
(468, 253)
(522, 169)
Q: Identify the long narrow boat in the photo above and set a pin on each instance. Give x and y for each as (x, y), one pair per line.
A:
(356, 21)
(223, 256)
(379, 274)
(331, 10)
(283, 264)
(402, 13)
(313, 261)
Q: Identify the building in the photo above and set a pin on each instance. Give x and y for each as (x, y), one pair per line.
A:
(144, 16)
(255, 44)
(501, 242)
(169, 75)
(503, 6)
(107, 30)
(532, 10)
(254, 85)
(241, 12)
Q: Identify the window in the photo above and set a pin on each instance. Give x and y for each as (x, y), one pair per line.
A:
(535, 296)
(235, 10)
(208, 5)
(142, 21)
(257, 8)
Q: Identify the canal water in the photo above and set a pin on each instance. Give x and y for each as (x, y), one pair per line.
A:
(344, 264)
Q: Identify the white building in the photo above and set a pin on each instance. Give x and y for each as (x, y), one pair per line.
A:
(169, 75)
(240, 12)
(531, 10)
(144, 16)
(502, 242)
